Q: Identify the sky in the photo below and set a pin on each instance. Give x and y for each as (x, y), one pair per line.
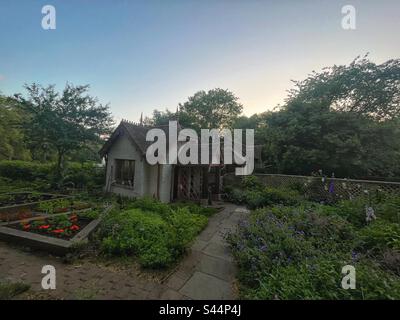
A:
(144, 55)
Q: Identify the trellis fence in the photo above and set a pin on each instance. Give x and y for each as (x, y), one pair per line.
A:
(322, 187)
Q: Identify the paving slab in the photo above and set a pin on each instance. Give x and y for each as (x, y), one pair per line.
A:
(203, 287)
(217, 267)
(218, 250)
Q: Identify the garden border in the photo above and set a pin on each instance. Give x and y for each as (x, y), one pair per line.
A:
(46, 243)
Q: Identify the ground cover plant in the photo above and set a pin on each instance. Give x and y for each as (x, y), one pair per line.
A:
(298, 251)
(254, 195)
(156, 233)
(9, 290)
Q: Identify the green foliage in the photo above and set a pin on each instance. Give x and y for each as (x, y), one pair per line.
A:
(362, 87)
(253, 194)
(297, 252)
(90, 214)
(10, 290)
(380, 234)
(84, 175)
(304, 137)
(19, 174)
(54, 206)
(216, 108)
(24, 170)
(66, 122)
(153, 231)
(12, 144)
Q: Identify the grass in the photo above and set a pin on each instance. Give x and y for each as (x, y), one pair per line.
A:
(10, 290)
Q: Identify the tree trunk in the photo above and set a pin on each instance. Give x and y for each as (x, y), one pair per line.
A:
(60, 165)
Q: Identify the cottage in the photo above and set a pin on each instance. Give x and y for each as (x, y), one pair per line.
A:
(129, 174)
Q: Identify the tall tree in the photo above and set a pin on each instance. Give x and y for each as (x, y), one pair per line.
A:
(216, 108)
(65, 121)
(362, 87)
(11, 136)
(306, 137)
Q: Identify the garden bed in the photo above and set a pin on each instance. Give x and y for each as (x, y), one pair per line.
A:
(23, 205)
(55, 234)
(64, 226)
(20, 198)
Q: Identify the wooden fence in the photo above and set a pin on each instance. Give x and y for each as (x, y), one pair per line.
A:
(322, 187)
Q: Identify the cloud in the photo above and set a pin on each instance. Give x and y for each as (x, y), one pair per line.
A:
(2, 77)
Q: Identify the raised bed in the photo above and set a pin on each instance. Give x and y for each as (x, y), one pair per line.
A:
(44, 238)
(20, 198)
(22, 205)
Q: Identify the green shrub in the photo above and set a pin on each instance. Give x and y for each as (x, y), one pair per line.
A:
(54, 205)
(321, 279)
(380, 234)
(186, 225)
(143, 234)
(149, 204)
(353, 211)
(298, 252)
(153, 231)
(251, 183)
(270, 196)
(84, 175)
(80, 175)
(24, 170)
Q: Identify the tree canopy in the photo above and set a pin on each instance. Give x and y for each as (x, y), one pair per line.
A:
(66, 121)
(362, 86)
(12, 145)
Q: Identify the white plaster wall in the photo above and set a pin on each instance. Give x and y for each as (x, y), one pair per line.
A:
(123, 148)
(166, 177)
(145, 183)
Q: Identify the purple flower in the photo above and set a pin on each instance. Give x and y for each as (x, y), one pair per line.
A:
(332, 187)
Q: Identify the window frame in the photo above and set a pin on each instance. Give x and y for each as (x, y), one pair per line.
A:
(124, 174)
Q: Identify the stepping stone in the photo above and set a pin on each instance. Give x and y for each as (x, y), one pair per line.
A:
(218, 250)
(217, 267)
(205, 287)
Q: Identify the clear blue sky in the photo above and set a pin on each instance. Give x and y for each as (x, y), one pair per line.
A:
(141, 55)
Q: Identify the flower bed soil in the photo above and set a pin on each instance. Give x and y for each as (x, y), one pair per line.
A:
(14, 216)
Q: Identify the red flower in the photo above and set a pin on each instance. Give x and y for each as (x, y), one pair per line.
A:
(74, 227)
(44, 226)
(58, 230)
(26, 226)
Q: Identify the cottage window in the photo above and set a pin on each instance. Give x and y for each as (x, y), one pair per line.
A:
(125, 172)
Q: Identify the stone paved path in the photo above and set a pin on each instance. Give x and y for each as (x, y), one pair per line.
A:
(207, 272)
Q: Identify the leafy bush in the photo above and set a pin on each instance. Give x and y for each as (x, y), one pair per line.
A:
(84, 175)
(298, 252)
(153, 231)
(80, 175)
(262, 197)
(24, 170)
(380, 234)
(54, 206)
(144, 234)
(251, 183)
